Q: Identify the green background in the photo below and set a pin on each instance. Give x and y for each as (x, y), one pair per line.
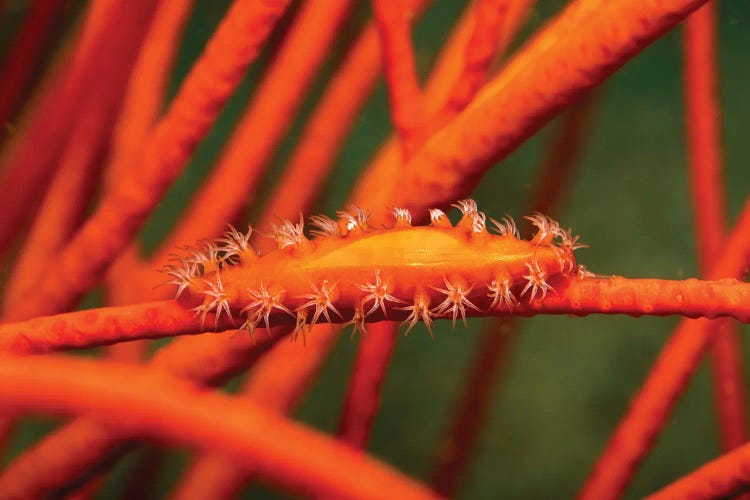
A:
(567, 380)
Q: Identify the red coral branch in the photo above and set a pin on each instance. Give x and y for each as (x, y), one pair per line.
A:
(209, 84)
(489, 20)
(532, 88)
(144, 97)
(24, 53)
(147, 403)
(667, 379)
(239, 169)
(278, 381)
(363, 396)
(635, 297)
(95, 327)
(407, 106)
(724, 477)
(557, 171)
(77, 447)
(110, 36)
(334, 115)
(452, 92)
(703, 139)
(64, 204)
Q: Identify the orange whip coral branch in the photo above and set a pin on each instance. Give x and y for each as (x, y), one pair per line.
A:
(723, 477)
(456, 448)
(144, 97)
(141, 108)
(373, 355)
(111, 30)
(95, 327)
(667, 379)
(146, 403)
(407, 107)
(313, 156)
(363, 395)
(222, 197)
(334, 278)
(702, 109)
(489, 18)
(368, 49)
(531, 89)
(64, 203)
(309, 163)
(24, 53)
(636, 297)
(278, 381)
(479, 387)
(77, 446)
(242, 286)
(205, 90)
(457, 292)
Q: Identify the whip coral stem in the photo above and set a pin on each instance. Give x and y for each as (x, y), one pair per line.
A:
(76, 448)
(160, 406)
(144, 97)
(723, 477)
(532, 88)
(373, 356)
(110, 36)
(278, 381)
(141, 107)
(489, 18)
(309, 163)
(457, 447)
(334, 115)
(703, 139)
(224, 194)
(665, 382)
(363, 396)
(407, 107)
(205, 90)
(559, 163)
(95, 327)
(64, 203)
(636, 297)
(38, 26)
